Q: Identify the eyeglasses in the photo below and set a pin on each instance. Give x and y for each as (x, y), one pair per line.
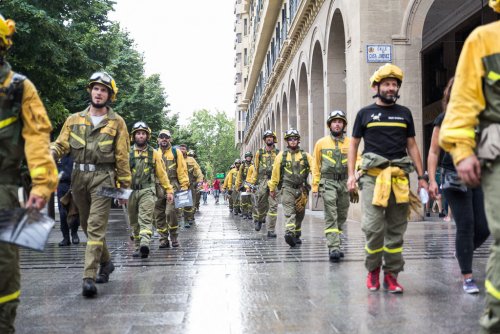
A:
(103, 77)
(293, 139)
(164, 136)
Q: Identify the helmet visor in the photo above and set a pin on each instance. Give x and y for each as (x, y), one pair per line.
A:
(103, 77)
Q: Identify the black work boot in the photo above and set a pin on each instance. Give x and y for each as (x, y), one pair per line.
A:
(65, 242)
(164, 244)
(88, 288)
(136, 253)
(271, 234)
(298, 241)
(104, 271)
(175, 242)
(144, 250)
(258, 225)
(341, 254)
(74, 238)
(290, 239)
(334, 255)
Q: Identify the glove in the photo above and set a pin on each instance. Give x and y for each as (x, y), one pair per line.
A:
(354, 196)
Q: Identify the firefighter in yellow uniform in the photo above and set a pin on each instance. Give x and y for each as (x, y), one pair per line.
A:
(245, 170)
(147, 170)
(98, 141)
(265, 205)
(290, 171)
(330, 179)
(233, 191)
(197, 194)
(165, 213)
(195, 178)
(225, 190)
(475, 101)
(24, 133)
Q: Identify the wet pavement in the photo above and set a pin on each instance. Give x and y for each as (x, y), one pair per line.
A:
(227, 278)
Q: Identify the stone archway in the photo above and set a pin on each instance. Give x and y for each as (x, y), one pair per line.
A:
(284, 113)
(292, 110)
(303, 107)
(336, 64)
(317, 114)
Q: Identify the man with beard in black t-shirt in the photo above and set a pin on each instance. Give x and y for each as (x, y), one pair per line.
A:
(389, 137)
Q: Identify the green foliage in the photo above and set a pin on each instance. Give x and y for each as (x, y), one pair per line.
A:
(59, 44)
(211, 135)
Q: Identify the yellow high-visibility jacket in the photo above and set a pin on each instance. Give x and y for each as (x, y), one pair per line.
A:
(231, 179)
(329, 159)
(36, 128)
(194, 170)
(176, 169)
(276, 176)
(107, 142)
(141, 172)
(472, 96)
(239, 178)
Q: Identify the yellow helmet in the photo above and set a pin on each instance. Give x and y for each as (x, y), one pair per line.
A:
(387, 71)
(7, 29)
(291, 133)
(269, 133)
(105, 79)
(495, 4)
(140, 126)
(336, 114)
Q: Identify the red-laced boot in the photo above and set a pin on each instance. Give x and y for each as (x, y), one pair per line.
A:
(373, 280)
(391, 283)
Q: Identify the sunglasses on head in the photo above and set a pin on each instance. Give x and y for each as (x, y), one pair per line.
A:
(163, 136)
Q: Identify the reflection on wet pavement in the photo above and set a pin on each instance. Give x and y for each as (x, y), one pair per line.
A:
(227, 278)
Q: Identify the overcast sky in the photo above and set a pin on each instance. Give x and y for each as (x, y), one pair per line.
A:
(190, 44)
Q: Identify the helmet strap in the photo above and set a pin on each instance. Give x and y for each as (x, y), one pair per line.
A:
(385, 99)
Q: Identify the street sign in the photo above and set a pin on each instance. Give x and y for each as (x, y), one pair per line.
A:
(379, 53)
(220, 175)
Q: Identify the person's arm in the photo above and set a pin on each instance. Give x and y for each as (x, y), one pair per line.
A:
(316, 167)
(182, 173)
(253, 179)
(122, 149)
(467, 100)
(276, 175)
(414, 153)
(36, 134)
(432, 162)
(352, 155)
(239, 177)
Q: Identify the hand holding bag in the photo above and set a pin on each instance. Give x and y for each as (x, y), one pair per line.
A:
(452, 182)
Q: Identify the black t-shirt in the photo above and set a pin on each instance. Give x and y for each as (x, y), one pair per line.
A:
(385, 130)
(444, 157)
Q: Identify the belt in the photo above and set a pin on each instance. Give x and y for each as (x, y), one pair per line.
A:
(291, 185)
(334, 176)
(142, 186)
(92, 167)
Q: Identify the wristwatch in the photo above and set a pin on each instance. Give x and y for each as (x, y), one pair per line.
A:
(423, 177)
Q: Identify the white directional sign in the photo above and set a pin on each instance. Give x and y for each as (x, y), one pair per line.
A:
(379, 53)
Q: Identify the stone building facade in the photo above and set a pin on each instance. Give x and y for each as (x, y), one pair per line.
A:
(298, 59)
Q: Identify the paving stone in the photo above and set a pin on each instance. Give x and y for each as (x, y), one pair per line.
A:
(228, 278)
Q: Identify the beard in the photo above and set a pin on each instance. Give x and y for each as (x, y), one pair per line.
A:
(140, 143)
(98, 105)
(388, 98)
(336, 133)
(270, 143)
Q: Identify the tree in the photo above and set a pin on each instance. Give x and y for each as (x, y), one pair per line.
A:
(59, 44)
(212, 135)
